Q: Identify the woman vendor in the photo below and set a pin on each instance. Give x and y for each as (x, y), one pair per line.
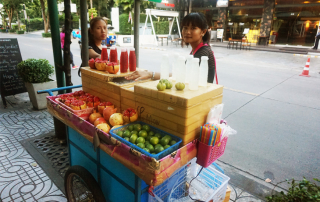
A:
(194, 32)
(97, 33)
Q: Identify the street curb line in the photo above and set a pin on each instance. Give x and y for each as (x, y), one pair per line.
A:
(248, 182)
(309, 56)
(161, 49)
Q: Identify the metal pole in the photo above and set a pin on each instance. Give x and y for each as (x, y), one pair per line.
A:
(56, 45)
(67, 41)
(136, 28)
(60, 127)
(84, 33)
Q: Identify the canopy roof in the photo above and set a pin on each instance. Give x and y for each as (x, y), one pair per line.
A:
(162, 13)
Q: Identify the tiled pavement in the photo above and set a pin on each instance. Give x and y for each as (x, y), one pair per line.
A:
(21, 178)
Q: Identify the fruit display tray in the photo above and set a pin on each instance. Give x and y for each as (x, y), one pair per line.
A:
(154, 129)
(153, 172)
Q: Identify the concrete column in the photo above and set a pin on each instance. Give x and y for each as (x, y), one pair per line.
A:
(267, 17)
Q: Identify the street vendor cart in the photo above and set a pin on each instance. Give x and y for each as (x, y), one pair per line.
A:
(103, 167)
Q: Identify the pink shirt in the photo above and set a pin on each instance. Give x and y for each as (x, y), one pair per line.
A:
(62, 35)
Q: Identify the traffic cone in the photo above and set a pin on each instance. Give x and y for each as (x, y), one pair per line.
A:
(305, 71)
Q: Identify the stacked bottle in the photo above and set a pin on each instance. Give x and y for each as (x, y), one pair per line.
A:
(188, 68)
(104, 53)
(132, 60)
(165, 67)
(181, 69)
(194, 80)
(124, 61)
(203, 73)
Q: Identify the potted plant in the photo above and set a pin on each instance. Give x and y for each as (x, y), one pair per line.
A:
(36, 76)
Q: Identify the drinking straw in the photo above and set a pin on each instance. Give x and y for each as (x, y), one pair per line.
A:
(215, 137)
(203, 135)
(207, 135)
(200, 133)
(210, 139)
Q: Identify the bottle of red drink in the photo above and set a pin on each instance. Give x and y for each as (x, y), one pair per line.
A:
(132, 60)
(104, 53)
(124, 61)
(113, 55)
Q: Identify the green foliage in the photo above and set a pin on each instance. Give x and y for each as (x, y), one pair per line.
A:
(125, 26)
(20, 32)
(36, 24)
(92, 11)
(161, 27)
(12, 30)
(46, 35)
(33, 8)
(3, 30)
(14, 27)
(303, 191)
(35, 71)
(144, 16)
(23, 27)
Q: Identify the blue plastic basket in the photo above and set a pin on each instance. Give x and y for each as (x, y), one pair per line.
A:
(158, 156)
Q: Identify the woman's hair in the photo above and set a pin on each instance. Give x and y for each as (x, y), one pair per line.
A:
(63, 29)
(93, 22)
(197, 20)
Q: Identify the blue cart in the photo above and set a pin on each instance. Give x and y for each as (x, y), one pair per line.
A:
(96, 176)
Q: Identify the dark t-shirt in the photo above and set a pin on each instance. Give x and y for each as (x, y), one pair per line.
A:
(206, 51)
(94, 47)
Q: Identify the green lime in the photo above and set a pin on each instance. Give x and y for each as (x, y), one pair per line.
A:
(141, 145)
(164, 141)
(158, 149)
(126, 133)
(147, 142)
(154, 140)
(140, 140)
(120, 133)
(134, 132)
(168, 137)
(158, 135)
(143, 134)
(148, 138)
(166, 147)
(150, 147)
(157, 146)
(133, 138)
(130, 127)
(172, 142)
(146, 128)
(146, 149)
(126, 138)
(151, 133)
(137, 127)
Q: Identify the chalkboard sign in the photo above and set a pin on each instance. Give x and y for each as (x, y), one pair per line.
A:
(10, 57)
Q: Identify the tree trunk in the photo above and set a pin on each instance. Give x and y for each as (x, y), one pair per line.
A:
(18, 20)
(43, 9)
(67, 42)
(10, 15)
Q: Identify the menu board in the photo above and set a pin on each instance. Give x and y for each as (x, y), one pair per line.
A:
(10, 57)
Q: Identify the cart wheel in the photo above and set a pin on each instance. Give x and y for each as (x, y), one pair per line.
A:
(80, 185)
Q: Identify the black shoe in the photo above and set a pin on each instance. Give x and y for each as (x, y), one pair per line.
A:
(314, 48)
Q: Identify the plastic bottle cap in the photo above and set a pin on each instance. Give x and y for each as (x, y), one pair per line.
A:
(132, 49)
(195, 59)
(123, 50)
(189, 57)
(204, 58)
(104, 46)
(112, 48)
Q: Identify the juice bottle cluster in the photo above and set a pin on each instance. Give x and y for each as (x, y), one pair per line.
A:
(128, 61)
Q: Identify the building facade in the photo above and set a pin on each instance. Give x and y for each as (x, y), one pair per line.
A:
(292, 22)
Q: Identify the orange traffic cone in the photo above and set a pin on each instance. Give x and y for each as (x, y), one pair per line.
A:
(305, 71)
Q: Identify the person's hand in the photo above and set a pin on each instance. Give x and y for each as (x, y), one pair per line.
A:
(139, 75)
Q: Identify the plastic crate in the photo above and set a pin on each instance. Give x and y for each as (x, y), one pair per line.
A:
(161, 193)
(210, 185)
(154, 129)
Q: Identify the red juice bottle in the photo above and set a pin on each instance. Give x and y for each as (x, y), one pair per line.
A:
(124, 61)
(132, 60)
(104, 53)
(113, 55)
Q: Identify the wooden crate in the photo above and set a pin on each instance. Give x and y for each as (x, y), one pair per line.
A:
(183, 122)
(98, 83)
(185, 98)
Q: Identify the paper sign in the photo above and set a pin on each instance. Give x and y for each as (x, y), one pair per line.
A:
(220, 33)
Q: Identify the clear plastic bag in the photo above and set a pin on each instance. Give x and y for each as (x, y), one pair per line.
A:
(215, 114)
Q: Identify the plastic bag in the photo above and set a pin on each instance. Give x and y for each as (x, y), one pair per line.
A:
(215, 114)
(227, 130)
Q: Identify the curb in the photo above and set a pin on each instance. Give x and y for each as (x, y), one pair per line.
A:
(150, 48)
(248, 182)
(308, 56)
